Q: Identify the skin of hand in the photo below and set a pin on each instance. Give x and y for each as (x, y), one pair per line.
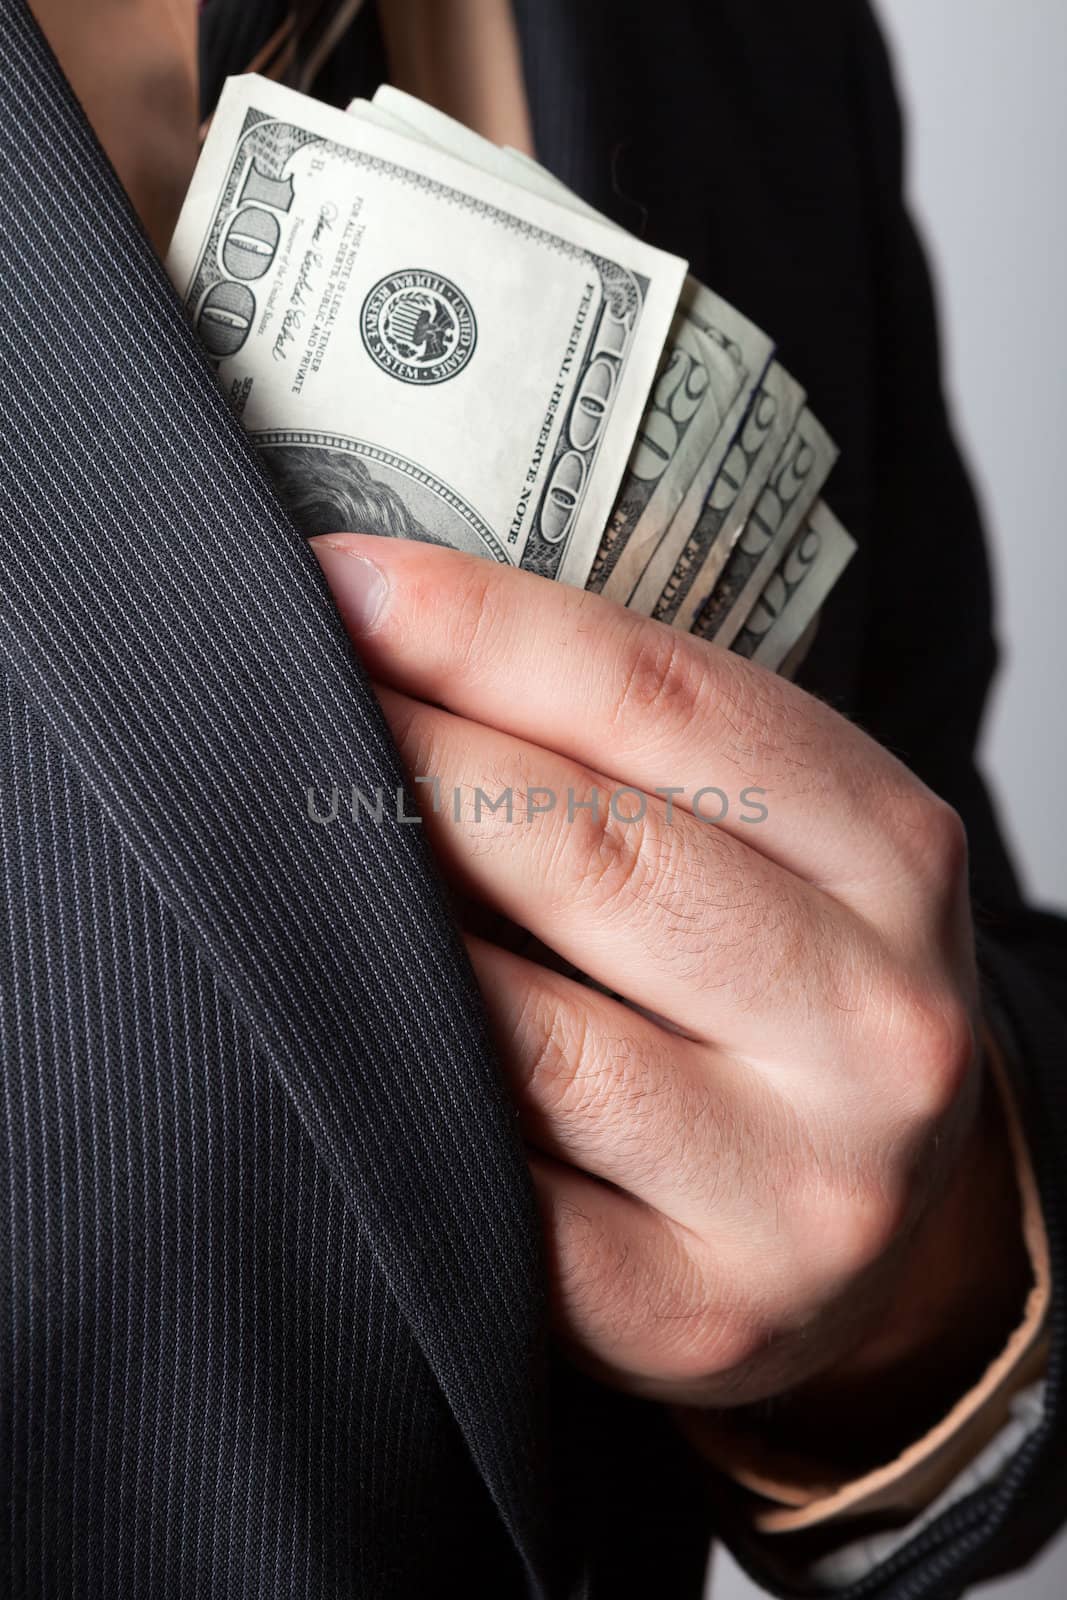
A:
(766, 1154)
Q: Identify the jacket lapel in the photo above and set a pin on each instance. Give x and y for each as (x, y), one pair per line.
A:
(174, 635)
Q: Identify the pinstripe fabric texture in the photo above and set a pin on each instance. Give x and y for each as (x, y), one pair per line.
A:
(198, 977)
(156, 1165)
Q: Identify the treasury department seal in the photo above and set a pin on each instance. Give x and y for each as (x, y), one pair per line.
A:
(418, 326)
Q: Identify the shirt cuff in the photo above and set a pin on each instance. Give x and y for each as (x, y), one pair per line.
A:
(782, 1497)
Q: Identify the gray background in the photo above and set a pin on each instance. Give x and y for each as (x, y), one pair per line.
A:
(985, 90)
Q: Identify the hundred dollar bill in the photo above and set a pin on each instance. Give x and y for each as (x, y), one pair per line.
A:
(418, 347)
(705, 377)
(790, 599)
(799, 473)
(675, 594)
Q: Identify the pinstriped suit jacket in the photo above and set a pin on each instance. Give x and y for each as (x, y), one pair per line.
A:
(272, 1314)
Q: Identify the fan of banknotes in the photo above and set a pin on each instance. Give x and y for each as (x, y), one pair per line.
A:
(429, 336)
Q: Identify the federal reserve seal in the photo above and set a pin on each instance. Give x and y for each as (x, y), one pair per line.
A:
(418, 327)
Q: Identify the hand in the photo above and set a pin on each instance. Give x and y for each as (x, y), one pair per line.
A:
(747, 1149)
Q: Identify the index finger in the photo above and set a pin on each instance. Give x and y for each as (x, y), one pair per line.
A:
(643, 703)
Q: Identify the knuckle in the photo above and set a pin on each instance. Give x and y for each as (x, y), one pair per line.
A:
(697, 1326)
(689, 1337)
(944, 839)
(612, 864)
(665, 1318)
(931, 839)
(615, 1093)
(851, 1234)
(660, 677)
(936, 1047)
(944, 1054)
(711, 1345)
(559, 1063)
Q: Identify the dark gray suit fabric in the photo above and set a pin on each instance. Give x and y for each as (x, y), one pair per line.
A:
(268, 1235)
(271, 1312)
(184, 1395)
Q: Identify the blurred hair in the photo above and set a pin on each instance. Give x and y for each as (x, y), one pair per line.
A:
(327, 491)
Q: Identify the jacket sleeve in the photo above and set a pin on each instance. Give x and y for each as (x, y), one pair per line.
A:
(927, 665)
